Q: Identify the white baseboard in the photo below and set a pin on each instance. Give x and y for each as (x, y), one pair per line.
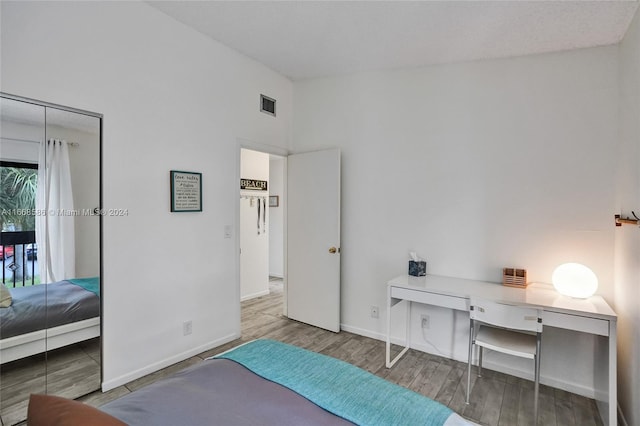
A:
(254, 295)
(126, 378)
(621, 418)
(363, 332)
(397, 341)
(546, 380)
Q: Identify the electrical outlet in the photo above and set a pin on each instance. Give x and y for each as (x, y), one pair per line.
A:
(375, 312)
(187, 328)
(425, 321)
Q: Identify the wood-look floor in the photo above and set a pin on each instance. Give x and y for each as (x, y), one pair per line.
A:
(496, 398)
(71, 372)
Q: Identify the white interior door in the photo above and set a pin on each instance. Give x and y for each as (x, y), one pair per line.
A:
(313, 238)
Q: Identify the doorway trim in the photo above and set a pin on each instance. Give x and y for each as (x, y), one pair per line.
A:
(241, 144)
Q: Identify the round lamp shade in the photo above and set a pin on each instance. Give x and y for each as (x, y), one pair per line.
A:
(575, 280)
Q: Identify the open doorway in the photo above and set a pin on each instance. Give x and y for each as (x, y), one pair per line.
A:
(310, 206)
(261, 232)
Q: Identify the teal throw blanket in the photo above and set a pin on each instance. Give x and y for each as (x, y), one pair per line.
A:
(90, 284)
(339, 387)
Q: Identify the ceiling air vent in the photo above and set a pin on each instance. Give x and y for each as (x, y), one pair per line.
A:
(268, 105)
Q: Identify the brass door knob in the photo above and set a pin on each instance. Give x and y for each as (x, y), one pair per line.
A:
(332, 250)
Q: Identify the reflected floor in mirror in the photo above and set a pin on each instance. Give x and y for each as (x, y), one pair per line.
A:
(72, 371)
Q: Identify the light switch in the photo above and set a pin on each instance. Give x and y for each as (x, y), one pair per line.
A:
(227, 231)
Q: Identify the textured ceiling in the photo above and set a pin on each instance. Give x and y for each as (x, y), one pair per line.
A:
(309, 39)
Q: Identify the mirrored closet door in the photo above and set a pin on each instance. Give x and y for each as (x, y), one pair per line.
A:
(50, 224)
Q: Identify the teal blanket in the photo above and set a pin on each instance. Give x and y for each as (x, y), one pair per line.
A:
(90, 284)
(339, 387)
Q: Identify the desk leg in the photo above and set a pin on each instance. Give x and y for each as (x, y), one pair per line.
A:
(389, 362)
(613, 374)
(605, 376)
(388, 341)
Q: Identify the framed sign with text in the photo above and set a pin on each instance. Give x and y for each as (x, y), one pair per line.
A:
(253, 184)
(186, 191)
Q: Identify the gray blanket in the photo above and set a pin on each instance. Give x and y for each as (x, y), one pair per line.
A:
(46, 305)
(218, 392)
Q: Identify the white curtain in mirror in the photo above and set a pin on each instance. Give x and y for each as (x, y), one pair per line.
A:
(55, 230)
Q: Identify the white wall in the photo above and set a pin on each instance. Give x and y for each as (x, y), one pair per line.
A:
(276, 217)
(254, 241)
(627, 238)
(172, 99)
(476, 166)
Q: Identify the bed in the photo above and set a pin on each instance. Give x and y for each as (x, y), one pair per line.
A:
(49, 316)
(265, 382)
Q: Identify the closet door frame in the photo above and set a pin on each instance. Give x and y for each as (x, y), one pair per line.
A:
(100, 118)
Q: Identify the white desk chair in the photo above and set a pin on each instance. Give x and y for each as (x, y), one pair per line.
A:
(496, 331)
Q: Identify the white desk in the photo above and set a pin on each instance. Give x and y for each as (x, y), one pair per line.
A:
(591, 315)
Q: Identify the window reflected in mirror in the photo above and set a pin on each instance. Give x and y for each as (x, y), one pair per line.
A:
(50, 253)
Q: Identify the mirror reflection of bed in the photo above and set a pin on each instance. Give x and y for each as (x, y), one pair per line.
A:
(50, 331)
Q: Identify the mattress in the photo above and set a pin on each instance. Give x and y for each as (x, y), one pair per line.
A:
(45, 306)
(228, 390)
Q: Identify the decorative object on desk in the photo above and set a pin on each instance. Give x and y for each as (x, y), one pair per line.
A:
(513, 277)
(274, 200)
(417, 266)
(575, 280)
(186, 191)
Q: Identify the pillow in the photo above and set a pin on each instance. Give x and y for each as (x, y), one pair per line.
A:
(5, 297)
(50, 410)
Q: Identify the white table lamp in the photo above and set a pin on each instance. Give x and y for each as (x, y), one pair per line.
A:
(575, 280)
